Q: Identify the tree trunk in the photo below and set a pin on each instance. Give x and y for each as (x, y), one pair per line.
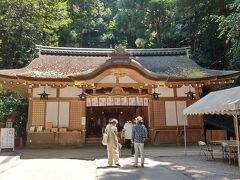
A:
(158, 35)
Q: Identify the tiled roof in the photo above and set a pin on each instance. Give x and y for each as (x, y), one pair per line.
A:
(177, 67)
(62, 63)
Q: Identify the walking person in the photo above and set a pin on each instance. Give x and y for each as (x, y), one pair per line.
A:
(139, 134)
(112, 143)
(127, 134)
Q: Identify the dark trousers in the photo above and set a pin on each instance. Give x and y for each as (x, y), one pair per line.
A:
(128, 143)
(132, 149)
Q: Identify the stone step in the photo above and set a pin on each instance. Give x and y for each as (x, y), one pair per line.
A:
(93, 140)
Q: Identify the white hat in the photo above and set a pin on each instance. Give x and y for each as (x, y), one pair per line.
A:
(139, 119)
(114, 121)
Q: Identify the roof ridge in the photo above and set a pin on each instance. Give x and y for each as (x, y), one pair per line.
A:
(109, 51)
(71, 48)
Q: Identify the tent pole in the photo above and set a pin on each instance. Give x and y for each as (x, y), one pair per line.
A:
(237, 137)
(185, 136)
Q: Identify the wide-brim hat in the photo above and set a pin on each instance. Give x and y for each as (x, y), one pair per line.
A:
(114, 121)
(139, 119)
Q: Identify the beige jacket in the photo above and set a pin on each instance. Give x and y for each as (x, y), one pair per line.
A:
(112, 135)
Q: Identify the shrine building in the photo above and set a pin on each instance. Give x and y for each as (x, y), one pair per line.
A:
(74, 92)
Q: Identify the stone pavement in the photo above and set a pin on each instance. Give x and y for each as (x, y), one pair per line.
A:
(153, 170)
(8, 160)
(162, 162)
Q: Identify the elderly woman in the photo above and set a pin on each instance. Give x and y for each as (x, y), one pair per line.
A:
(112, 143)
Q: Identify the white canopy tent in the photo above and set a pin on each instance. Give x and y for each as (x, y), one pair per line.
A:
(225, 101)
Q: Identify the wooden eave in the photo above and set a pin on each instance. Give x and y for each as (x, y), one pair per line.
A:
(8, 77)
(205, 79)
(26, 78)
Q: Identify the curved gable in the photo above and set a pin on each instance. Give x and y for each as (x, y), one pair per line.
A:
(112, 79)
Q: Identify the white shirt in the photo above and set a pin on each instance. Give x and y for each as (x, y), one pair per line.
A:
(127, 128)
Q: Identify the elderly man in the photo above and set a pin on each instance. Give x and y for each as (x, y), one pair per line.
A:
(139, 134)
(112, 143)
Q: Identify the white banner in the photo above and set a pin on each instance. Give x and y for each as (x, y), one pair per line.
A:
(124, 101)
(117, 101)
(145, 102)
(132, 101)
(110, 101)
(139, 101)
(95, 101)
(102, 102)
(89, 102)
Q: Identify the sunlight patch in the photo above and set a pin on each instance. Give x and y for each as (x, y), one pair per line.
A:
(179, 168)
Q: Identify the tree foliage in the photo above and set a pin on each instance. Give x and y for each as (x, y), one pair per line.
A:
(89, 21)
(25, 23)
(11, 103)
(209, 49)
(230, 27)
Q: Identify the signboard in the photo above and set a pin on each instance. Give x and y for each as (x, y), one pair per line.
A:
(7, 138)
(83, 121)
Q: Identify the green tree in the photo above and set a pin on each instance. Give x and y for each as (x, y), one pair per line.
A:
(200, 30)
(158, 17)
(230, 27)
(89, 22)
(146, 20)
(128, 23)
(11, 103)
(25, 23)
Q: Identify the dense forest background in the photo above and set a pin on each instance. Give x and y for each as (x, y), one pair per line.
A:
(210, 27)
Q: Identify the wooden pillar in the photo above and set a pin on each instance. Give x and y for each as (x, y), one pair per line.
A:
(150, 115)
(83, 106)
(30, 94)
(151, 123)
(29, 122)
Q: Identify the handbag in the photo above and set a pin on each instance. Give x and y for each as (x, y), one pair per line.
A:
(104, 139)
